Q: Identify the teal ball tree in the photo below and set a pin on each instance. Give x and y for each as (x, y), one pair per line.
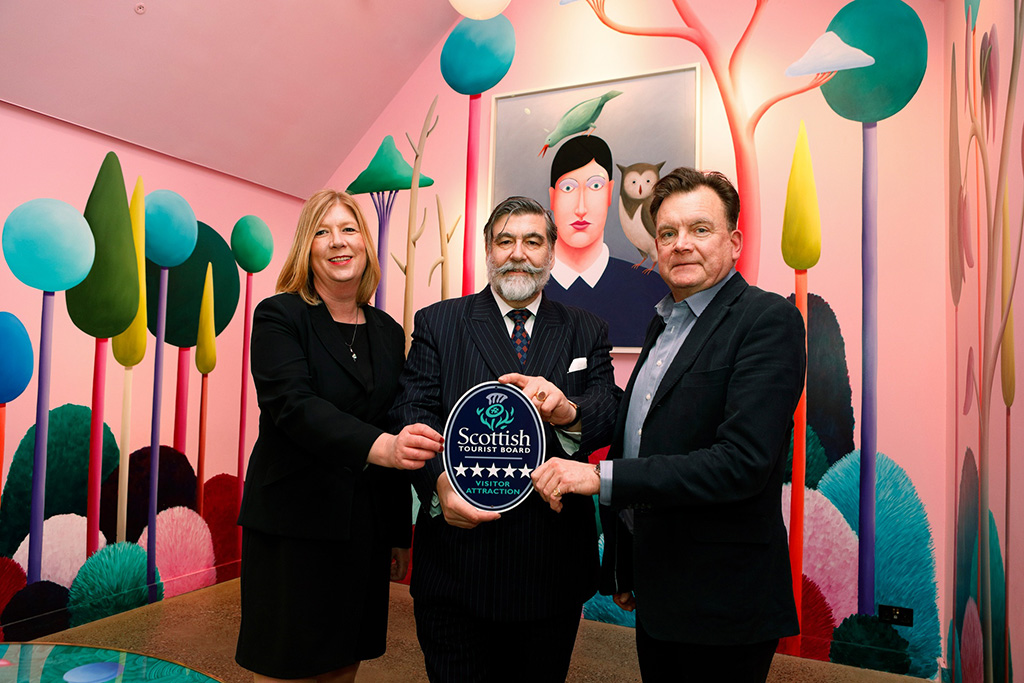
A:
(30, 232)
(253, 246)
(171, 228)
(171, 234)
(252, 243)
(892, 34)
(478, 54)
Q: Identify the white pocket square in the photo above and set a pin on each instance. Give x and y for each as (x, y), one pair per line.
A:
(578, 364)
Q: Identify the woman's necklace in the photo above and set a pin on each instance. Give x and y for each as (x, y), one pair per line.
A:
(355, 330)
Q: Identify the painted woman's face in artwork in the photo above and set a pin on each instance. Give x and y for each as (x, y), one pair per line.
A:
(579, 205)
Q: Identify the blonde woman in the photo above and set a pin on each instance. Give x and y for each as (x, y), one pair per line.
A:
(326, 509)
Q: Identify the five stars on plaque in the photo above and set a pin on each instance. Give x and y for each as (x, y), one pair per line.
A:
(478, 470)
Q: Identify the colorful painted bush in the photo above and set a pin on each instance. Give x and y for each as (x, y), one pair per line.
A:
(904, 555)
(67, 465)
(112, 581)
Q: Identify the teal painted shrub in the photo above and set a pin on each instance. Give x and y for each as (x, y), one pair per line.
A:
(904, 550)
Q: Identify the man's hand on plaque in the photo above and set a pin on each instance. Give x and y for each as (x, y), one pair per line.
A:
(551, 403)
(458, 512)
(558, 477)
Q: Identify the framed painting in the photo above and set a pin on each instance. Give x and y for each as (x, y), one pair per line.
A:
(591, 153)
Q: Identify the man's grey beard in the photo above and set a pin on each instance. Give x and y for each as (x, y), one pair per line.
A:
(515, 288)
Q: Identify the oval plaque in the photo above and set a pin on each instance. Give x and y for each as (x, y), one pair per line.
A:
(493, 440)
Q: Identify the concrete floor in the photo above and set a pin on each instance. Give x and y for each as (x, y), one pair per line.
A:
(198, 630)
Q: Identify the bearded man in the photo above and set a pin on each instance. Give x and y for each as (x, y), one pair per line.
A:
(498, 597)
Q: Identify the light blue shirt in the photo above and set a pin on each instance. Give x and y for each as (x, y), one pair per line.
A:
(680, 318)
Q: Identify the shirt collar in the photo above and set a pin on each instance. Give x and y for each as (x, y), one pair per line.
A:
(504, 308)
(696, 302)
(566, 276)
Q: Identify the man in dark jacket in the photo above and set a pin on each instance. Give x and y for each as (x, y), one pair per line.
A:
(691, 492)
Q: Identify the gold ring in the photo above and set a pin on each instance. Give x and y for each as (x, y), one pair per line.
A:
(541, 395)
(556, 493)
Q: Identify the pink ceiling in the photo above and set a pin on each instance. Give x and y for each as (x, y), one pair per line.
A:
(276, 92)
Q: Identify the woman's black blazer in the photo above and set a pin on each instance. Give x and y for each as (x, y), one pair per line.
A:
(318, 420)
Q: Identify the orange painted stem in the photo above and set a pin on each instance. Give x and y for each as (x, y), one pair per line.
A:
(796, 514)
(472, 178)
(243, 400)
(181, 400)
(95, 472)
(201, 467)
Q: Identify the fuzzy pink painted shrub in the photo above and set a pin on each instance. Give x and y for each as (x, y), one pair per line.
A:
(830, 551)
(63, 549)
(184, 551)
(972, 654)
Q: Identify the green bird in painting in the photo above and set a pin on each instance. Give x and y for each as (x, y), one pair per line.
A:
(582, 117)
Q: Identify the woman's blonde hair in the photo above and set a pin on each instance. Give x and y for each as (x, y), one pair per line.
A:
(297, 275)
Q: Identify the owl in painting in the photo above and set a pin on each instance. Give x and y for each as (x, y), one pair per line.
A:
(635, 208)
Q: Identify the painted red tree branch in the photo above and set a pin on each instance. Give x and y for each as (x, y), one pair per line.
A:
(726, 69)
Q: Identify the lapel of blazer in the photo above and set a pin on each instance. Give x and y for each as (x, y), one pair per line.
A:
(330, 336)
(382, 369)
(548, 343)
(706, 324)
(654, 329)
(488, 331)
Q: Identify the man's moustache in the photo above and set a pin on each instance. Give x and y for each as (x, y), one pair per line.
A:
(519, 268)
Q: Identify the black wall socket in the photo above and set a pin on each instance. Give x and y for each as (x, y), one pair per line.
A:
(900, 616)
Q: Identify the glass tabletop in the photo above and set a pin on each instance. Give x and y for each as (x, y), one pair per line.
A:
(55, 663)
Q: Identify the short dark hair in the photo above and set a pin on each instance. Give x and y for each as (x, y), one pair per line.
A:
(683, 180)
(579, 151)
(519, 206)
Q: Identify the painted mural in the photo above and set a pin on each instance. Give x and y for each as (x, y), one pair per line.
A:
(985, 219)
(88, 529)
(76, 541)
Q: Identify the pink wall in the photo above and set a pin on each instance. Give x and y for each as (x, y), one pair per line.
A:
(43, 157)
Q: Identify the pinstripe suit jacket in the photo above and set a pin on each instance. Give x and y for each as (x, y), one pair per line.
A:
(533, 562)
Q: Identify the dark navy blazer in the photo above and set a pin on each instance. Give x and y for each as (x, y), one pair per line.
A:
(318, 420)
(709, 560)
(532, 563)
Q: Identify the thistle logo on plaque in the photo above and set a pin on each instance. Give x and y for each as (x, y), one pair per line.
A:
(493, 440)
